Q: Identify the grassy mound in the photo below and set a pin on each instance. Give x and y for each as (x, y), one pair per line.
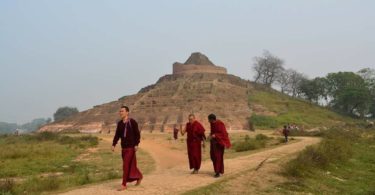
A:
(281, 109)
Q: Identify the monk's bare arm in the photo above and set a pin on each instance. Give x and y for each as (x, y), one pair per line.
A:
(137, 133)
(183, 131)
(115, 138)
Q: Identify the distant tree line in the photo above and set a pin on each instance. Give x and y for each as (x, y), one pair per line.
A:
(60, 114)
(27, 127)
(64, 112)
(348, 93)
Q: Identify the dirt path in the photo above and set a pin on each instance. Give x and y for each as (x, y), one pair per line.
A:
(173, 177)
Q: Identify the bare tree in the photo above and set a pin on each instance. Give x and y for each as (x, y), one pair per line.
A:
(267, 68)
(284, 80)
(295, 80)
(289, 81)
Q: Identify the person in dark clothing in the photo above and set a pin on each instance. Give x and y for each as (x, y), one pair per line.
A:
(175, 132)
(127, 130)
(286, 133)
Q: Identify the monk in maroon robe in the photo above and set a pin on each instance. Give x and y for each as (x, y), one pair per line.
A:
(175, 132)
(195, 137)
(218, 142)
(127, 130)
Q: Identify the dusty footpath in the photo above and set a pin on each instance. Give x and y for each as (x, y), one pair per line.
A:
(172, 176)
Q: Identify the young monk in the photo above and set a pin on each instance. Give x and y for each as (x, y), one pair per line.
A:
(127, 130)
(175, 132)
(219, 140)
(195, 136)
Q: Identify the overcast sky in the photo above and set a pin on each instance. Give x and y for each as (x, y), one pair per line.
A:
(84, 53)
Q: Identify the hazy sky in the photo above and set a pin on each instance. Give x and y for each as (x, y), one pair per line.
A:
(84, 53)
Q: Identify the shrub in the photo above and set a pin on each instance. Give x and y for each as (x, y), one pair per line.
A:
(305, 133)
(36, 184)
(92, 141)
(7, 186)
(335, 147)
(113, 175)
(84, 178)
(264, 121)
(66, 140)
(46, 136)
(248, 144)
(261, 137)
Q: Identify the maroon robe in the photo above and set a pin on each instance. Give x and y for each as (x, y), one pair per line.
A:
(218, 144)
(129, 166)
(195, 136)
(130, 137)
(175, 133)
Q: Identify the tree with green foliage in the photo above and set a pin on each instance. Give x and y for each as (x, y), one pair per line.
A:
(7, 127)
(64, 112)
(35, 124)
(313, 90)
(350, 93)
(368, 75)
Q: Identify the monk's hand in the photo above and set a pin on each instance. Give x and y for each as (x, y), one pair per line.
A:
(113, 148)
(135, 148)
(213, 136)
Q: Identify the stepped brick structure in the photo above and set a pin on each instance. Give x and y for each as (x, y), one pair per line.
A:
(197, 63)
(198, 86)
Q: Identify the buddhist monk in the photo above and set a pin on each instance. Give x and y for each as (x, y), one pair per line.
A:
(195, 137)
(127, 130)
(219, 140)
(175, 132)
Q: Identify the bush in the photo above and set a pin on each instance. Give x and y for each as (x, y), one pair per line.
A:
(84, 178)
(248, 144)
(36, 184)
(261, 137)
(66, 140)
(113, 175)
(335, 147)
(7, 186)
(305, 133)
(81, 141)
(281, 140)
(264, 121)
(92, 141)
(45, 136)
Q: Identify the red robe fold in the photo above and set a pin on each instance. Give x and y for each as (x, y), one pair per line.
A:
(217, 156)
(129, 165)
(175, 133)
(221, 135)
(218, 144)
(195, 136)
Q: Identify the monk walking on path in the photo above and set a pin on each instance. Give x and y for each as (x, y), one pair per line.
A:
(195, 137)
(127, 130)
(218, 142)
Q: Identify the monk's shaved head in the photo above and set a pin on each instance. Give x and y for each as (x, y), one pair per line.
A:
(191, 118)
(211, 118)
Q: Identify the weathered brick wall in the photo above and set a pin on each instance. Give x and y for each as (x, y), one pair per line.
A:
(191, 68)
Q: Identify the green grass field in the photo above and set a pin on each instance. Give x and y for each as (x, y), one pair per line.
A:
(292, 110)
(339, 169)
(45, 162)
